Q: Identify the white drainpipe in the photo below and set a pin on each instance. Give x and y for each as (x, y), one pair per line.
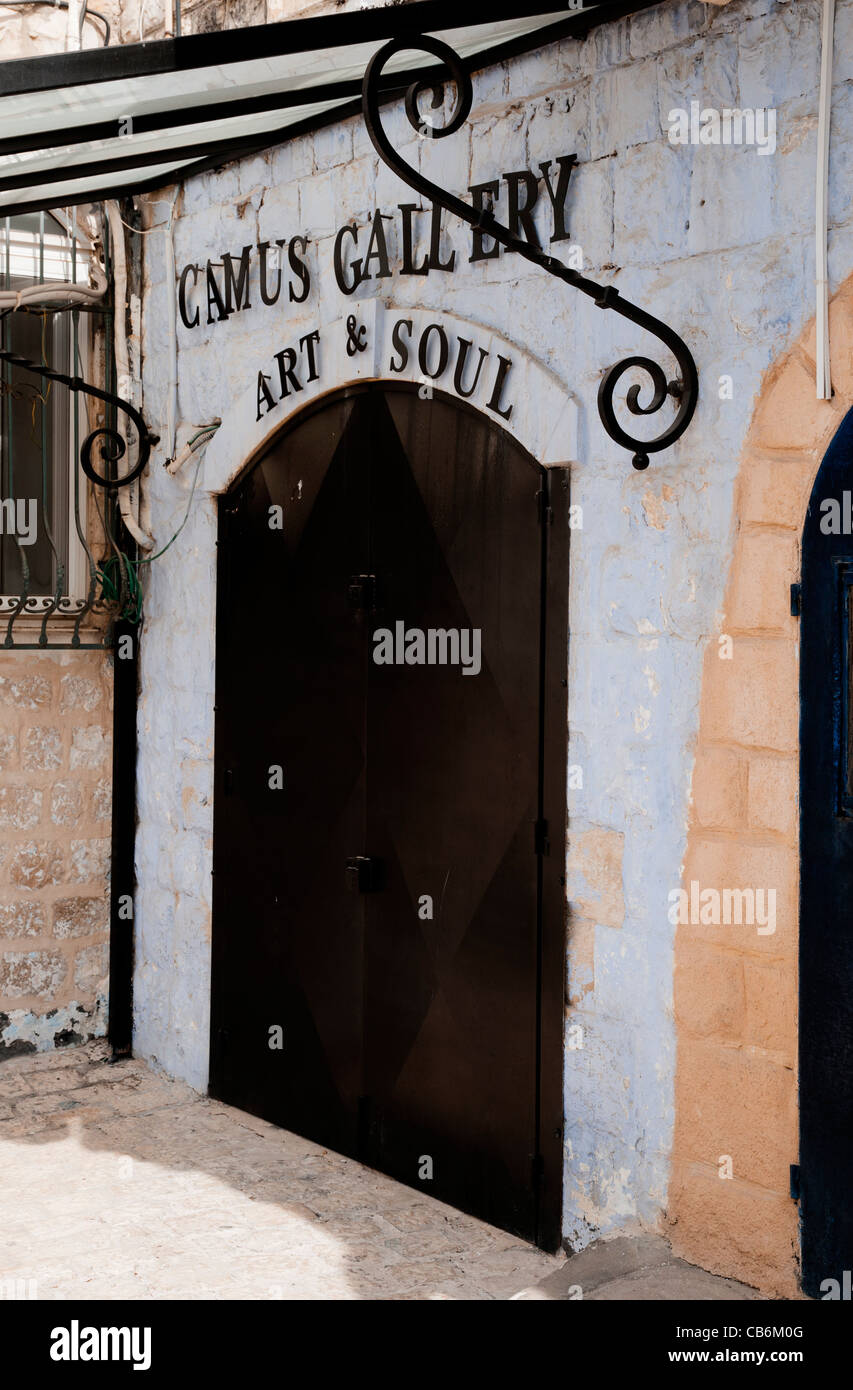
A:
(824, 379)
(129, 495)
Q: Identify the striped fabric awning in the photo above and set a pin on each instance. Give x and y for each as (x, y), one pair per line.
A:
(104, 123)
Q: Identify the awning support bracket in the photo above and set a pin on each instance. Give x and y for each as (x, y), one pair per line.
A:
(684, 388)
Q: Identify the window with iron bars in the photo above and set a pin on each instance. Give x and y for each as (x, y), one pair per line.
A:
(47, 570)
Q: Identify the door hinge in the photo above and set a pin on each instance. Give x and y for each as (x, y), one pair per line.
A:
(541, 843)
(543, 511)
(796, 596)
(796, 1190)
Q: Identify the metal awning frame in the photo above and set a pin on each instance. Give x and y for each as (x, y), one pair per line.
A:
(337, 100)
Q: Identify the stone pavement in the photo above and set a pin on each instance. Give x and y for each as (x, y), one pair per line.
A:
(639, 1267)
(121, 1183)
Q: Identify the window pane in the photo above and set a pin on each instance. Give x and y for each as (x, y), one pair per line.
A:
(34, 483)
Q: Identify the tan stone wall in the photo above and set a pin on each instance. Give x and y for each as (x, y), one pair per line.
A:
(55, 752)
(735, 990)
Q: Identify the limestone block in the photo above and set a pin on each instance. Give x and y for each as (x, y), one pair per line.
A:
(734, 1227)
(8, 749)
(89, 746)
(774, 794)
(24, 917)
(780, 60)
(79, 692)
(710, 993)
(90, 861)
(32, 972)
(624, 108)
(81, 916)
(664, 25)
(25, 691)
(719, 786)
(771, 1008)
(736, 866)
(595, 875)
(91, 971)
(20, 807)
(765, 567)
(42, 748)
(102, 797)
(66, 802)
(775, 492)
(730, 196)
(751, 698)
(737, 1102)
(35, 864)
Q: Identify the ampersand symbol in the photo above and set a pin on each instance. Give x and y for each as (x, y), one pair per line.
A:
(357, 337)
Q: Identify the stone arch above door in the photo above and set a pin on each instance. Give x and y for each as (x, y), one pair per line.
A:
(736, 998)
(543, 416)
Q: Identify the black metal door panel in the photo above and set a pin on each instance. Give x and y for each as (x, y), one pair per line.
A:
(290, 695)
(826, 879)
(450, 999)
(412, 1012)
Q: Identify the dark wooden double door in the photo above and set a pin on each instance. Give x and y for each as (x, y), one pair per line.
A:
(388, 921)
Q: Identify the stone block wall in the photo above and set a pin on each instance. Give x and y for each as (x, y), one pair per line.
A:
(55, 793)
(650, 579)
(736, 991)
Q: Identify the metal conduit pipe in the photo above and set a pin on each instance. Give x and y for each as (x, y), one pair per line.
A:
(128, 496)
(56, 292)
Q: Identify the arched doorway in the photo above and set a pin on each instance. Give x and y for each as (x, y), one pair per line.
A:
(826, 881)
(388, 935)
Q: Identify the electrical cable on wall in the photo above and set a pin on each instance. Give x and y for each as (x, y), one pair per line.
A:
(129, 496)
(120, 579)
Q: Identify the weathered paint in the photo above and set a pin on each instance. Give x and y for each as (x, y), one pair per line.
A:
(717, 242)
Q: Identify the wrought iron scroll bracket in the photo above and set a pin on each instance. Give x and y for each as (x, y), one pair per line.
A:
(112, 445)
(684, 388)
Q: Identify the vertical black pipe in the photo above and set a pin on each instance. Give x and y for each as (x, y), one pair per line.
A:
(122, 881)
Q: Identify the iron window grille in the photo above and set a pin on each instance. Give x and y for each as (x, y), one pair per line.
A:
(50, 582)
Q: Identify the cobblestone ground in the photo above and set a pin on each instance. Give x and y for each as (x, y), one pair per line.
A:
(120, 1183)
